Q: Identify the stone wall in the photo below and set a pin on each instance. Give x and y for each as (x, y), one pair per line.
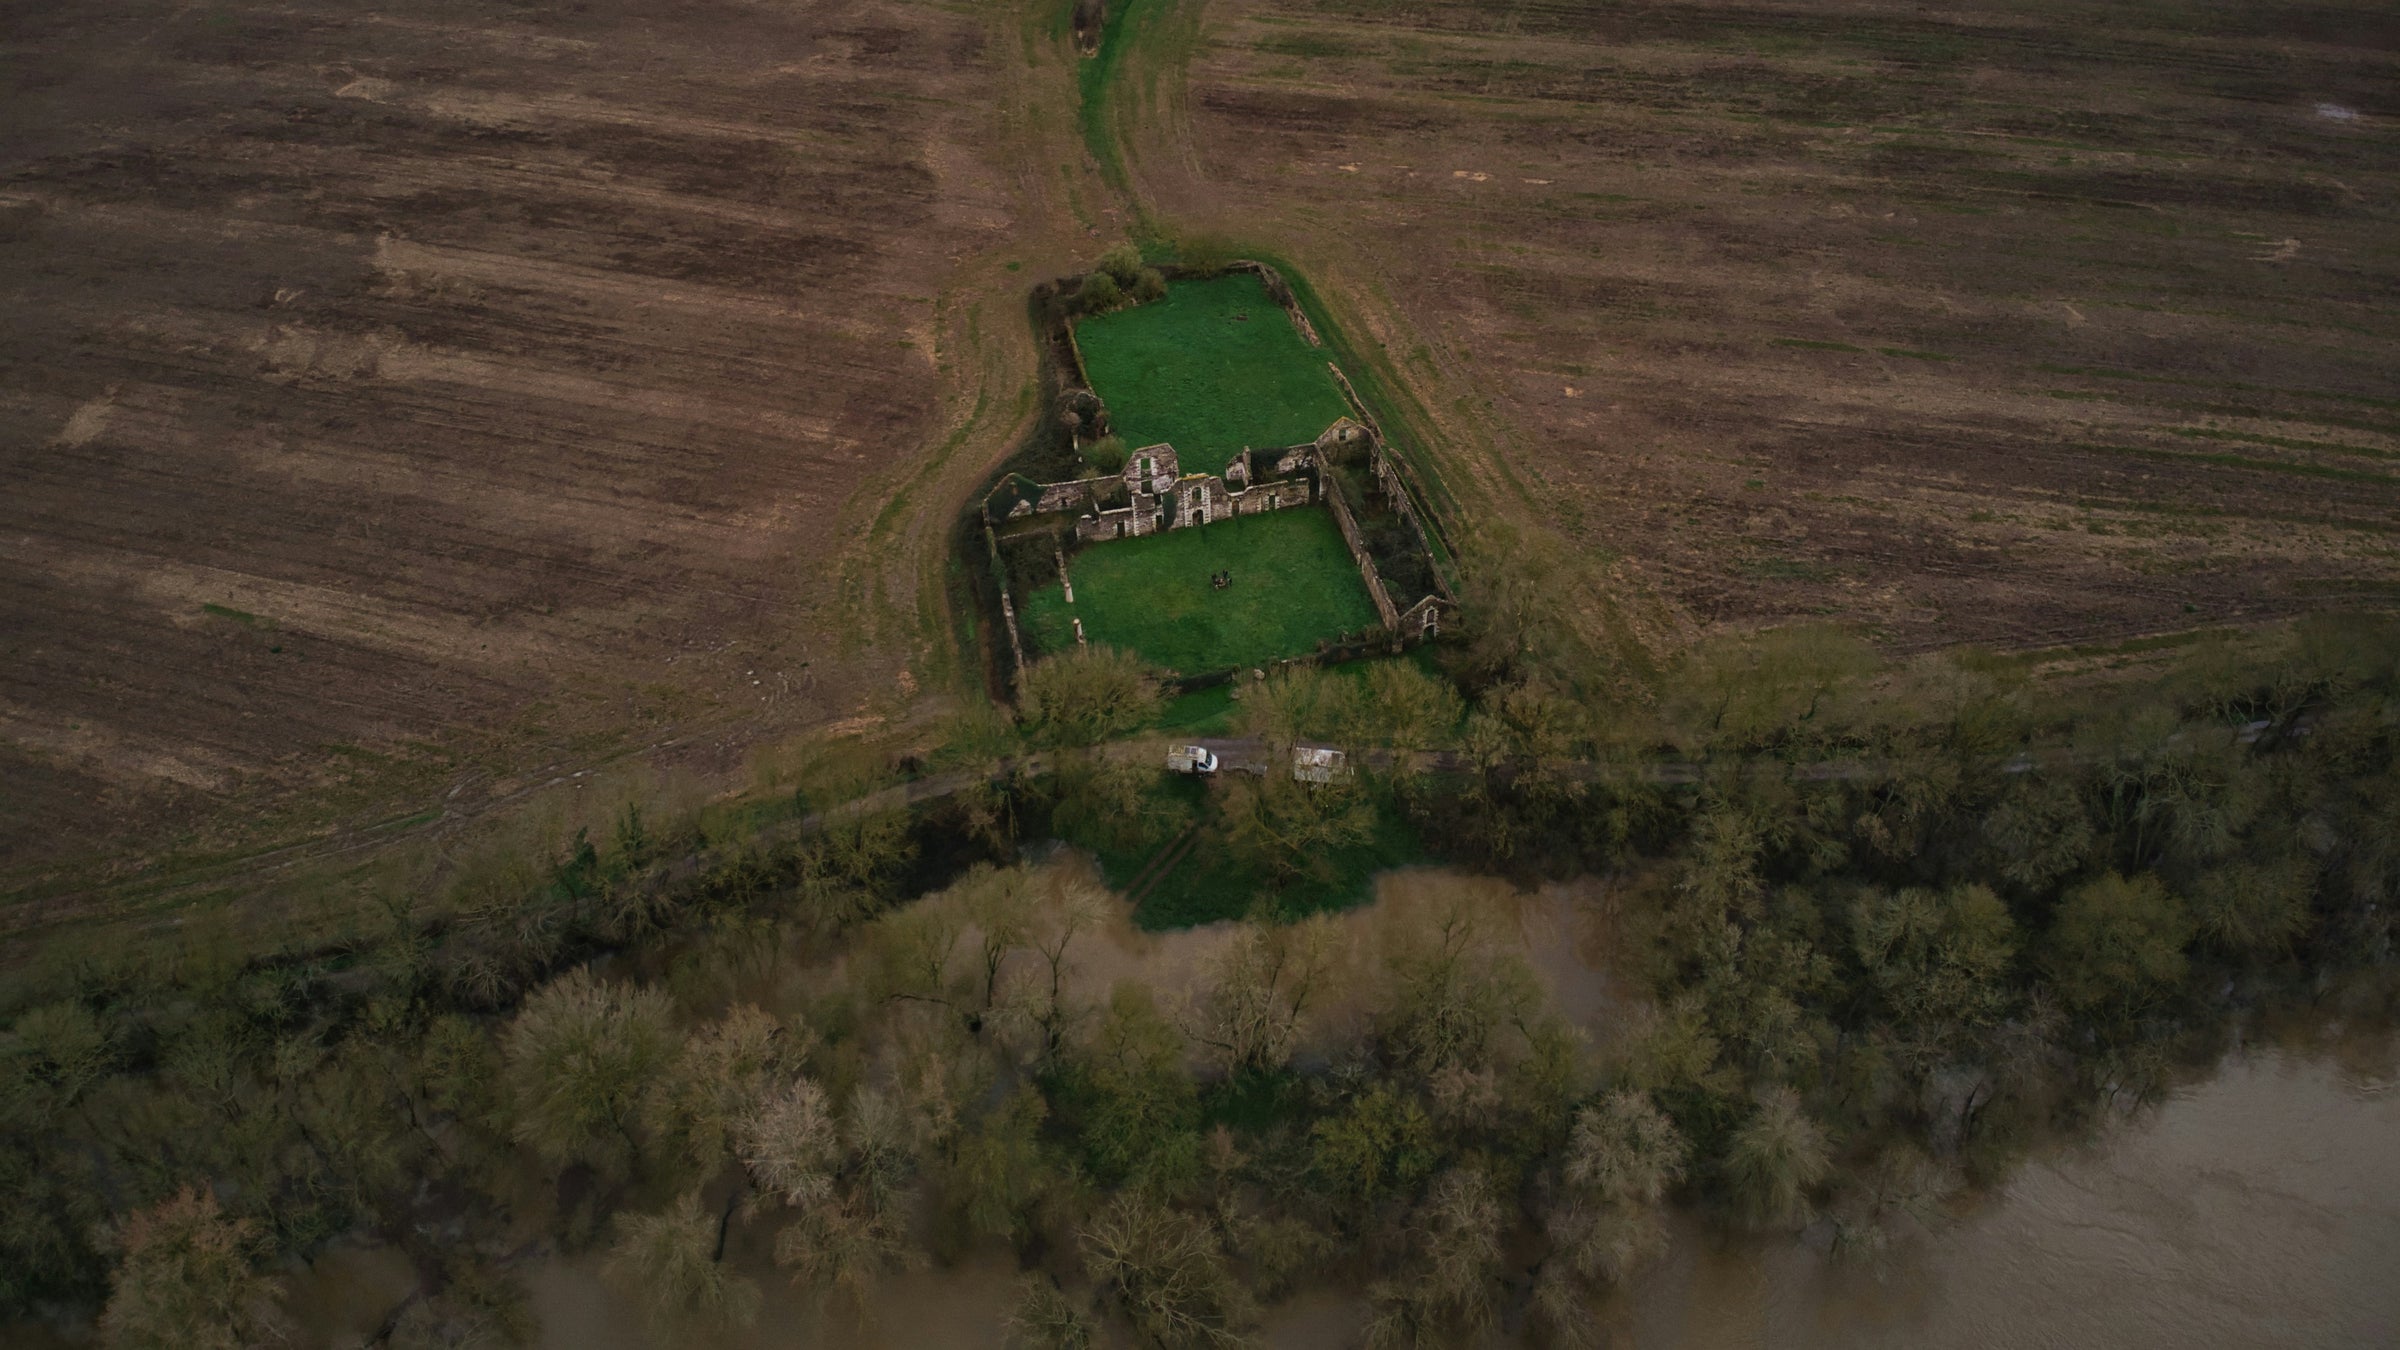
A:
(1063, 497)
(1281, 292)
(1142, 517)
(1394, 479)
(1359, 554)
(1008, 610)
(1425, 618)
(1270, 496)
(1164, 466)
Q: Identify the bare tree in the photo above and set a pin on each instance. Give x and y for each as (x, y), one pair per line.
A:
(1258, 990)
(1287, 829)
(668, 1262)
(188, 1280)
(1087, 695)
(841, 1244)
(1450, 1288)
(1001, 910)
(697, 1104)
(788, 1144)
(1452, 991)
(1622, 1156)
(1166, 1272)
(1044, 1318)
(1624, 1150)
(1036, 1004)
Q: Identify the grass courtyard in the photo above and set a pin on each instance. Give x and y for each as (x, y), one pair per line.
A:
(1293, 586)
(1213, 367)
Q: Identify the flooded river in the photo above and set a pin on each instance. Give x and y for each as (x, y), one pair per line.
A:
(2259, 1205)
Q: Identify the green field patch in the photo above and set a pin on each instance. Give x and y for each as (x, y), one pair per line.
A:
(1812, 345)
(1212, 368)
(240, 616)
(1202, 712)
(1189, 879)
(1293, 586)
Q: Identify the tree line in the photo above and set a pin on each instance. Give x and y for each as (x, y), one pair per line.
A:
(2021, 906)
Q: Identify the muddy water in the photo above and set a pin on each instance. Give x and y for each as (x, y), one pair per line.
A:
(2259, 1206)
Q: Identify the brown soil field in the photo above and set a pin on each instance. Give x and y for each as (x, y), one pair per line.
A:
(2015, 325)
(408, 406)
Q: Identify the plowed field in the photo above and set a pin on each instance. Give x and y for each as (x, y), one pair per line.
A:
(407, 400)
(1969, 323)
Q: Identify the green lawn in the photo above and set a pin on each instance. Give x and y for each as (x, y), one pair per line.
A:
(1215, 366)
(1293, 585)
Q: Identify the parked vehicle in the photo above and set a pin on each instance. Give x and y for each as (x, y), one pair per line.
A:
(1191, 759)
(1312, 764)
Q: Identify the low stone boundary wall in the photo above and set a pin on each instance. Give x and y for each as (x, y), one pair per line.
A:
(1075, 350)
(1281, 292)
(1395, 477)
(1008, 610)
(1358, 552)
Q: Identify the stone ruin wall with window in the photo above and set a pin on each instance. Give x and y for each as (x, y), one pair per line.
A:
(1153, 494)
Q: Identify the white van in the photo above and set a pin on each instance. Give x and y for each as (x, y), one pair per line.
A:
(1191, 759)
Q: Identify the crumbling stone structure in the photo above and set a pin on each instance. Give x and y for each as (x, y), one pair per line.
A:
(1152, 493)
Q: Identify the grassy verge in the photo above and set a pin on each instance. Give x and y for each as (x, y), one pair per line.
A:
(1293, 587)
(1405, 425)
(1098, 77)
(1212, 368)
(1207, 887)
(1203, 712)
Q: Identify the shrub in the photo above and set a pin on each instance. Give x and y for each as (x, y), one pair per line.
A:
(1206, 255)
(1100, 294)
(2117, 943)
(189, 1278)
(1087, 694)
(1123, 264)
(1106, 455)
(1150, 284)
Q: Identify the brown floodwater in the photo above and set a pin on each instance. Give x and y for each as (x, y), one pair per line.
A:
(2258, 1205)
